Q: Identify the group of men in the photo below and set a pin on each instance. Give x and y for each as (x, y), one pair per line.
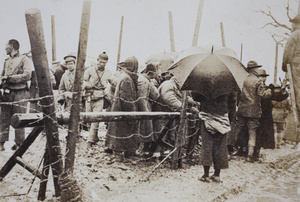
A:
(128, 90)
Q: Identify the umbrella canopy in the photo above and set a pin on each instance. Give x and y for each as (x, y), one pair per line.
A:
(164, 59)
(209, 72)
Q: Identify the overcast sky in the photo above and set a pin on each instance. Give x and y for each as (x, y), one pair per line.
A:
(146, 27)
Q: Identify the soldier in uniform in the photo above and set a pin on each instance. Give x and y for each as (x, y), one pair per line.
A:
(16, 72)
(66, 86)
(95, 82)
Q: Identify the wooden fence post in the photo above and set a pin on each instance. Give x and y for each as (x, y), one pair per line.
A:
(40, 60)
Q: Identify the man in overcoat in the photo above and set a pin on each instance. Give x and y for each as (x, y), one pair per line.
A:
(291, 56)
(249, 107)
(123, 136)
(147, 94)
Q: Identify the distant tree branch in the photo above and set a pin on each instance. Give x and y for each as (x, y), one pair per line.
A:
(275, 22)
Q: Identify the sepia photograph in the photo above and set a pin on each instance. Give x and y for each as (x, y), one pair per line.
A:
(150, 100)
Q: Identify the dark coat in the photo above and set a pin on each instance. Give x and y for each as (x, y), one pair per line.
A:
(250, 99)
(147, 93)
(292, 50)
(265, 131)
(123, 136)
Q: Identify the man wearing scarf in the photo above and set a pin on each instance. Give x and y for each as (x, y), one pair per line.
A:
(123, 136)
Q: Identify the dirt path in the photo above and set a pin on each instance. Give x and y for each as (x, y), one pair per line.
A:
(104, 180)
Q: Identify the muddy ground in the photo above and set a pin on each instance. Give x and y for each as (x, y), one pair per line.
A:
(103, 179)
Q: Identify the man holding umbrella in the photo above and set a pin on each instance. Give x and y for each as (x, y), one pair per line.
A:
(249, 107)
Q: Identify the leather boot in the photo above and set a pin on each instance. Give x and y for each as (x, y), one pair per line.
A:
(250, 154)
(2, 148)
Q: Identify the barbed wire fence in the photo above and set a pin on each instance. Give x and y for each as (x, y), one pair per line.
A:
(82, 139)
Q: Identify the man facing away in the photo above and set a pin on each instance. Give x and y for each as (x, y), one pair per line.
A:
(16, 72)
(249, 107)
(291, 56)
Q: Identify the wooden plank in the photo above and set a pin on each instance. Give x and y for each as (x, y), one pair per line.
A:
(20, 151)
(20, 120)
(28, 167)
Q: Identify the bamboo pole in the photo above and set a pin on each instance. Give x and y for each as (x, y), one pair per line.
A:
(120, 39)
(222, 34)
(276, 64)
(40, 60)
(73, 131)
(197, 26)
(53, 38)
(171, 32)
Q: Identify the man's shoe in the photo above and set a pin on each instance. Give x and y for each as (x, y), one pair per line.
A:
(2, 148)
(15, 147)
(108, 150)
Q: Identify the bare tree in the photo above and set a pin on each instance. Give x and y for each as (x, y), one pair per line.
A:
(282, 31)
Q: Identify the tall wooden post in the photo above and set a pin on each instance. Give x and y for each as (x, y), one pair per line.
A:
(76, 99)
(171, 32)
(241, 56)
(120, 39)
(180, 134)
(197, 26)
(40, 61)
(276, 64)
(222, 34)
(53, 38)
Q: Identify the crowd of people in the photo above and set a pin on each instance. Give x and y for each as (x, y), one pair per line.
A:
(237, 123)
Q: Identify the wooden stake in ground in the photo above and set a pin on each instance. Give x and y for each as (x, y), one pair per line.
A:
(40, 61)
(53, 38)
(197, 26)
(222, 34)
(171, 32)
(120, 39)
(76, 99)
(180, 134)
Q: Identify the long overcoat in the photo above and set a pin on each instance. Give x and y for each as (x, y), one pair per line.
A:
(123, 136)
(147, 93)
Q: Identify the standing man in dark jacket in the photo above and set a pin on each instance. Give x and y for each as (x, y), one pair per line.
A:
(16, 72)
(249, 107)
